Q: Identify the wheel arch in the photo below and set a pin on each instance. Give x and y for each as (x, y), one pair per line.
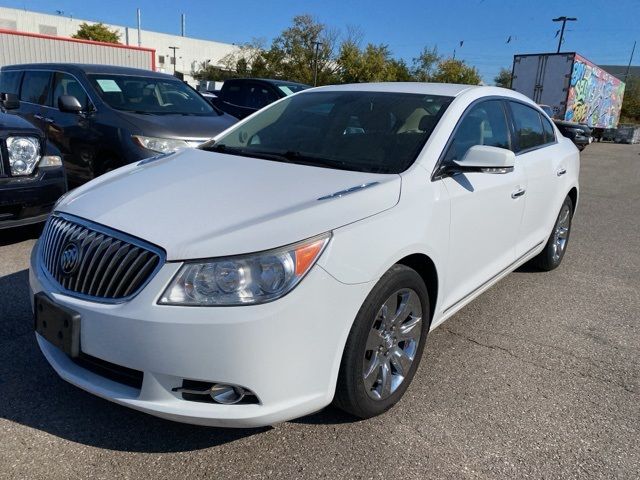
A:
(426, 268)
(573, 195)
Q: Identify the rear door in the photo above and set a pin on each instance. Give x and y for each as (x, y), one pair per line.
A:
(486, 208)
(536, 152)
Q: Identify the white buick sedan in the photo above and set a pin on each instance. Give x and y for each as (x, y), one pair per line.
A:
(302, 257)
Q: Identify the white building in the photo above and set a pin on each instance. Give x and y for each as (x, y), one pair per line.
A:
(191, 52)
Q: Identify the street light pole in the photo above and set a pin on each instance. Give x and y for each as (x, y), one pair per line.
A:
(564, 21)
(315, 62)
(175, 59)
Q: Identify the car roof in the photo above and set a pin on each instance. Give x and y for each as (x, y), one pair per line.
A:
(268, 80)
(88, 68)
(444, 89)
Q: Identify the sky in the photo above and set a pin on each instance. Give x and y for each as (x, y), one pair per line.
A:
(604, 33)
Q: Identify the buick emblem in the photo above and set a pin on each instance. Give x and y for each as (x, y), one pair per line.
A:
(70, 258)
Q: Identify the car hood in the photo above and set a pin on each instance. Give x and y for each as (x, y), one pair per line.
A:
(198, 204)
(188, 127)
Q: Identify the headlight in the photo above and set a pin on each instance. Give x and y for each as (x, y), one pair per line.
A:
(161, 145)
(24, 153)
(244, 279)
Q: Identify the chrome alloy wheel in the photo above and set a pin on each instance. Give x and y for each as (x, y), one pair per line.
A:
(392, 344)
(561, 232)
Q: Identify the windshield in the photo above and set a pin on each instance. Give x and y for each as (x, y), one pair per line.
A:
(291, 88)
(150, 95)
(380, 132)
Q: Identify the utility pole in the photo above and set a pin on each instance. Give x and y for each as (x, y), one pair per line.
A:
(633, 50)
(564, 21)
(175, 59)
(138, 14)
(315, 62)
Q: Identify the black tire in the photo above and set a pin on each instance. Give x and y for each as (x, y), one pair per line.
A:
(548, 259)
(351, 393)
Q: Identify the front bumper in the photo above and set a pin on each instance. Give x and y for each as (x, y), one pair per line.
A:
(287, 352)
(27, 200)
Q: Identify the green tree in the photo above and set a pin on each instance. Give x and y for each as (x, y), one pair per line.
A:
(503, 79)
(425, 65)
(456, 71)
(293, 53)
(630, 112)
(98, 32)
(399, 71)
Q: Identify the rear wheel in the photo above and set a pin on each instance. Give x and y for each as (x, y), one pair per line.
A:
(556, 246)
(385, 344)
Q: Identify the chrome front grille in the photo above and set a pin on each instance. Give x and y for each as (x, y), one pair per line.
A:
(92, 261)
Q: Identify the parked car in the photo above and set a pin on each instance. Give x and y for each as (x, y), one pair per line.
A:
(31, 174)
(102, 117)
(580, 135)
(627, 133)
(241, 97)
(303, 256)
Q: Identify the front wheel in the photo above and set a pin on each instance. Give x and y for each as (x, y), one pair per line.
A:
(553, 253)
(385, 344)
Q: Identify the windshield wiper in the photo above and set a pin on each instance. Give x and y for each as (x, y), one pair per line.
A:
(288, 156)
(293, 156)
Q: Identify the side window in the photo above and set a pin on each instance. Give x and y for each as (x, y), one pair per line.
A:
(10, 81)
(35, 87)
(237, 94)
(484, 124)
(528, 126)
(549, 133)
(259, 96)
(65, 84)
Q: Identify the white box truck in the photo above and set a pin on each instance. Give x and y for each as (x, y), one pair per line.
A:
(575, 89)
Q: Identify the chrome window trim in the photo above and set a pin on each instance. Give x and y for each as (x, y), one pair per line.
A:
(114, 234)
(510, 124)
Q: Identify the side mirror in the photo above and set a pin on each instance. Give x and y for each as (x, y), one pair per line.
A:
(9, 101)
(482, 158)
(69, 103)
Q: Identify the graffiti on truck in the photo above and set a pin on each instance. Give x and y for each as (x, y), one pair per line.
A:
(595, 96)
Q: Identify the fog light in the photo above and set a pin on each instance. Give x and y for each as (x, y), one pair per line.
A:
(222, 393)
(226, 394)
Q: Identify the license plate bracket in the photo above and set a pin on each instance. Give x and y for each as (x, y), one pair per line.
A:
(57, 324)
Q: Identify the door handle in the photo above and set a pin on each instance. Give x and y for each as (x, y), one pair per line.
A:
(48, 120)
(561, 171)
(37, 116)
(518, 193)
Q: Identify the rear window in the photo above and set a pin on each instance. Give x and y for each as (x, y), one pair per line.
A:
(549, 132)
(528, 124)
(10, 81)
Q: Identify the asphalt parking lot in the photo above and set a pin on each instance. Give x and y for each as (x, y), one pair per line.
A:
(539, 377)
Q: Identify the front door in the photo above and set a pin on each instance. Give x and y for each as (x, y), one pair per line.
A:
(486, 208)
(72, 133)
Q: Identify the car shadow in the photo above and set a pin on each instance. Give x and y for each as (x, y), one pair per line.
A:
(20, 234)
(33, 395)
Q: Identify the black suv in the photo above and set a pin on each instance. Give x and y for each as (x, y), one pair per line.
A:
(102, 117)
(31, 174)
(241, 97)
